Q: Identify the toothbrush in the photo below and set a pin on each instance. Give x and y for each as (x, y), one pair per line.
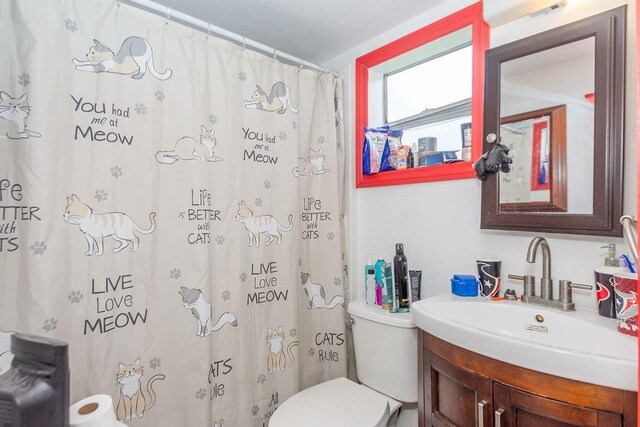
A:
(626, 262)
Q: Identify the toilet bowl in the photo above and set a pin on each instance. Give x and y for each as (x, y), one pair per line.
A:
(336, 403)
(386, 349)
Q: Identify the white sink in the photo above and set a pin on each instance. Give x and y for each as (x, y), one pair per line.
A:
(579, 345)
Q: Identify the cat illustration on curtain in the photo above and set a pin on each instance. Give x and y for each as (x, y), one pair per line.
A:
(193, 299)
(133, 404)
(315, 294)
(278, 100)
(14, 113)
(188, 148)
(218, 423)
(96, 227)
(257, 225)
(5, 351)
(313, 165)
(134, 58)
(277, 360)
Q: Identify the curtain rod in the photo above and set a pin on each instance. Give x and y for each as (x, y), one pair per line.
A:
(199, 24)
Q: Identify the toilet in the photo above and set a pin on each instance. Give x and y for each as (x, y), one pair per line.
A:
(386, 348)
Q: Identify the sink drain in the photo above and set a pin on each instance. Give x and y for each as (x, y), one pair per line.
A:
(539, 318)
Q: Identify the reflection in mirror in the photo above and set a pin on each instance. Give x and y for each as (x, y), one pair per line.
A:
(541, 181)
(537, 181)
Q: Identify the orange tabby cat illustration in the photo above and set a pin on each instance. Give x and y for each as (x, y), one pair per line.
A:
(96, 227)
(277, 360)
(132, 403)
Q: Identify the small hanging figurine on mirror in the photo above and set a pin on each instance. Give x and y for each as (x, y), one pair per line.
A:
(497, 159)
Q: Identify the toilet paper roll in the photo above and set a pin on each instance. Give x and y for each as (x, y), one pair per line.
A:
(94, 411)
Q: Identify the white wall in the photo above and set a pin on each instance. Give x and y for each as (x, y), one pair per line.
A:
(439, 222)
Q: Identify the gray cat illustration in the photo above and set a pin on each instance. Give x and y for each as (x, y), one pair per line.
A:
(315, 294)
(14, 112)
(134, 58)
(278, 100)
(5, 351)
(193, 299)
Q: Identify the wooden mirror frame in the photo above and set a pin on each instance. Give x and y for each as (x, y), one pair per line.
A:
(558, 170)
(608, 28)
(469, 16)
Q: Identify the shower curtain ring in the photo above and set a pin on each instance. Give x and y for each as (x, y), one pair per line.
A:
(208, 29)
(168, 15)
(275, 53)
(244, 42)
(301, 65)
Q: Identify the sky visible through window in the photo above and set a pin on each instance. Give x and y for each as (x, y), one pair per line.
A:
(432, 84)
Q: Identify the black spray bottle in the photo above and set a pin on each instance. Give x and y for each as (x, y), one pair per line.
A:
(401, 280)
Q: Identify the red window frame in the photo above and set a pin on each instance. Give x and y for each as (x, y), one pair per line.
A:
(471, 15)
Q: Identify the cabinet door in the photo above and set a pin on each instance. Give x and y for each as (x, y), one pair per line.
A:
(516, 408)
(453, 396)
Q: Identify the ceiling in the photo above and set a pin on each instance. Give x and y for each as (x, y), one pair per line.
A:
(314, 30)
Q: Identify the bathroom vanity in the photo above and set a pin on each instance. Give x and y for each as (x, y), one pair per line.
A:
(461, 388)
(492, 364)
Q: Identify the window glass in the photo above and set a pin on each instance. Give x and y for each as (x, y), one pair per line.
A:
(433, 84)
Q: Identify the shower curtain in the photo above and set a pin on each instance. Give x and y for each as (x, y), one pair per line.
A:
(170, 206)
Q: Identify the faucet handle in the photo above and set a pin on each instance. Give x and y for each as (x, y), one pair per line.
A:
(529, 283)
(565, 289)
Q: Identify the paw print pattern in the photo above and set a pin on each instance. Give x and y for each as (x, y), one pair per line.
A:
(267, 184)
(255, 410)
(242, 75)
(293, 332)
(140, 108)
(312, 351)
(201, 393)
(24, 79)
(75, 297)
(50, 324)
(159, 95)
(282, 136)
(294, 125)
(337, 281)
(213, 119)
(101, 195)
(258, 202)
(38, 248)
(71, 25)
(243, 277)
(330, 235)
(339, 145)
(299, 262)
(321, 140)
(155, 363)
(219, 239)
(261, 379)
(175, 273)
(116, 171)
(226, 295)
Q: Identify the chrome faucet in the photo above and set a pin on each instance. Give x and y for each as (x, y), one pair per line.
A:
(546, 284)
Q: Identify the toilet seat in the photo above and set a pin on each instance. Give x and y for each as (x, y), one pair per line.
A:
(336, 403)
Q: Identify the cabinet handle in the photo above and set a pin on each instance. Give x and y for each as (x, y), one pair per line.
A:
(498, 416)
(481, 407)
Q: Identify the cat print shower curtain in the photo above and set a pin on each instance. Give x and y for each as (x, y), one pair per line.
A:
(170, 206)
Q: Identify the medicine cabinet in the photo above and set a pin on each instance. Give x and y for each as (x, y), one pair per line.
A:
(429, 84)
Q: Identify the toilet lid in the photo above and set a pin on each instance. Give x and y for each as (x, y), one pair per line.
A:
(336, 403)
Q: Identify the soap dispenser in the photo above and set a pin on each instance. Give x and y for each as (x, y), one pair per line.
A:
(604, 282)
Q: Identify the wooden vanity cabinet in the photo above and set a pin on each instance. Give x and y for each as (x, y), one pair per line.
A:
(461, 388)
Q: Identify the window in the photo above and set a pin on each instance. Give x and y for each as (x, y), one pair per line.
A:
(428, 84)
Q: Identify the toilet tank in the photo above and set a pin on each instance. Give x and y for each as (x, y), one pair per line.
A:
(386, 347)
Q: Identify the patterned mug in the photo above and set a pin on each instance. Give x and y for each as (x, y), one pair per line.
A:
(626, 300)
(489, 278)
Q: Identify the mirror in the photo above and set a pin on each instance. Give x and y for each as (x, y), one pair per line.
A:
(556, 99)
